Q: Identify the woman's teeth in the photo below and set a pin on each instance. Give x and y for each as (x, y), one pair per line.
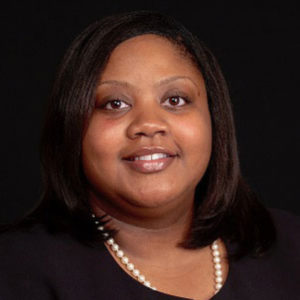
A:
(151, 157)
(150, 163)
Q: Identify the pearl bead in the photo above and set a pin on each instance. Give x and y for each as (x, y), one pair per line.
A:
(141, 278)
(96, 222)
(125, 260)
(115, 247)
(110, 241)
(147, 283)
(219, 279)
(217, 259)
(218, 266)
(214, 247)
(130, 266)
(218, 286)
(136, 272)
(120, 253)
(101, 228)
(216, 253)
(93, 216)
(218, 273)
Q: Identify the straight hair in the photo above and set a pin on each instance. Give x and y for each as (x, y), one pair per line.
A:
(225, 206)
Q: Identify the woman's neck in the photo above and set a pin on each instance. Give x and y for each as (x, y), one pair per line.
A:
(148, 241)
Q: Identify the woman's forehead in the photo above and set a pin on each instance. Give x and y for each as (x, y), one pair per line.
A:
(150, 58)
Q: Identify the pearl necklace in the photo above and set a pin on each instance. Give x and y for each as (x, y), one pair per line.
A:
(141, 278)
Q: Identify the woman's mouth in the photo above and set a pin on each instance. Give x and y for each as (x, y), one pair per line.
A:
(150, 163)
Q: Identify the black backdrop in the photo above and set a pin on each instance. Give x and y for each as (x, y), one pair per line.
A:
(257, 47)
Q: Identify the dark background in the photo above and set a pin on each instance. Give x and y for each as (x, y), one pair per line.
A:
(257, 47)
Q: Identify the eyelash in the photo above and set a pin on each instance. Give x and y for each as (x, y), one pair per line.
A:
(186, 99)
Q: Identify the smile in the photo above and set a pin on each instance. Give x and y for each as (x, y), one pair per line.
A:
(152, 163)
(154, 156)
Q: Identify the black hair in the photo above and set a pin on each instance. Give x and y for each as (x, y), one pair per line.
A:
(225, 206)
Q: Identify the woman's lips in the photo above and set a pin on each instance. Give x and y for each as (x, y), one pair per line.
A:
(146, 165)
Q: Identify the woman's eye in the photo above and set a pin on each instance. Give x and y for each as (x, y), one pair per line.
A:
(115, 105)
(176, 101)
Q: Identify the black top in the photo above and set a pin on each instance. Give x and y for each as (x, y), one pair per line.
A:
(36, 265)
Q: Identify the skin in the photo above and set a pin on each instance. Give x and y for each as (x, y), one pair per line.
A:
(152, 211)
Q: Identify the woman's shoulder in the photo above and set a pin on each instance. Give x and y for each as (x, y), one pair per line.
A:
(274, 274)
(43, 262)
(26, 258)
(287, 243)
(31, 238)
(287, 226)
(284, 217)
(31, 246)
(37, 250)
(37, 243)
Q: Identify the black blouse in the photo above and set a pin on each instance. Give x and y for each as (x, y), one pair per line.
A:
(36, 265)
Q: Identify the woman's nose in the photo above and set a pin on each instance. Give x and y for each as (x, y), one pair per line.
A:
(147, 124)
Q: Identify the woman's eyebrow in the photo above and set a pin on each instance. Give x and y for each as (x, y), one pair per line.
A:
(159, 83)
(173, 78)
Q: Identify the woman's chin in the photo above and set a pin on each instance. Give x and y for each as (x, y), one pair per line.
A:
(150, 203)
(156, 200)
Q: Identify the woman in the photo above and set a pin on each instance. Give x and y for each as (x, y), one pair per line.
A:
(143, 195)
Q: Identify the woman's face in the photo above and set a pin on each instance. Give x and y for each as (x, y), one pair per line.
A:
(148, 141)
